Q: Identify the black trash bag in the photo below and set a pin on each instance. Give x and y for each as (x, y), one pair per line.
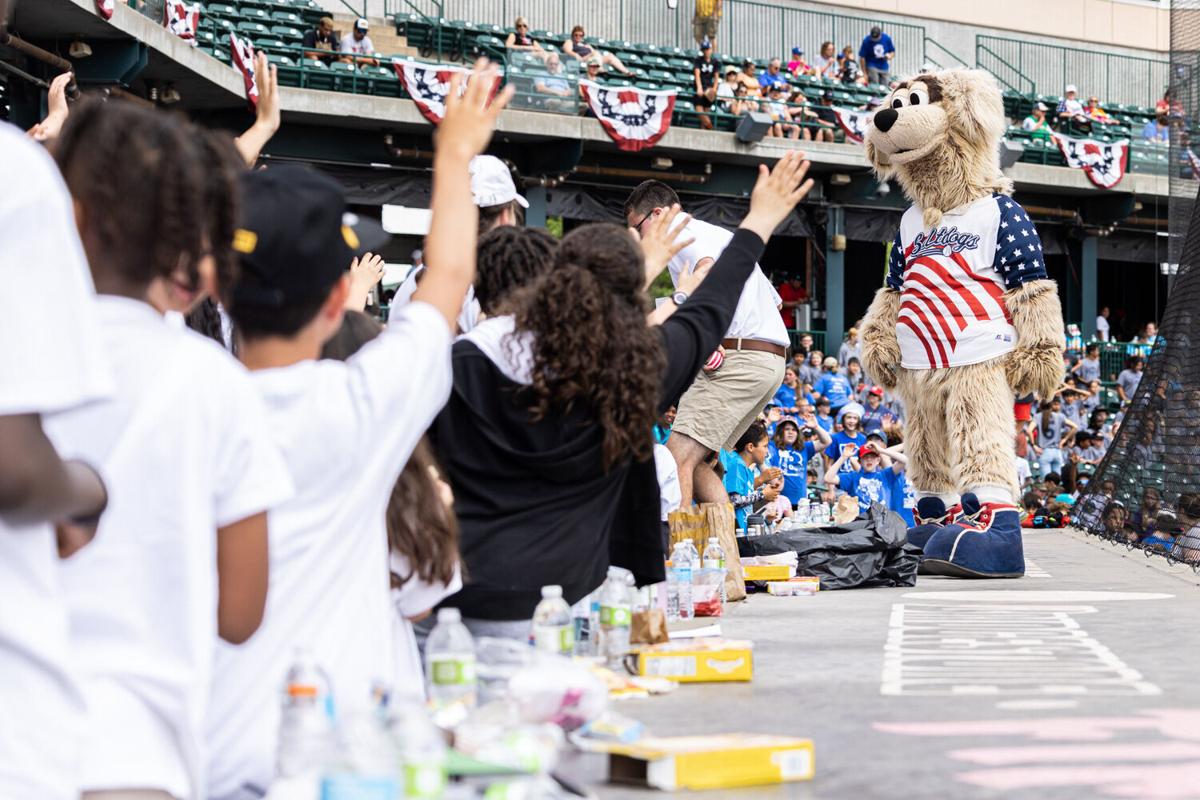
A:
(859, 554)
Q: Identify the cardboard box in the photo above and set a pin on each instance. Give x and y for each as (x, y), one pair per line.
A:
(772, 572)
(711, 660)
(719, 761)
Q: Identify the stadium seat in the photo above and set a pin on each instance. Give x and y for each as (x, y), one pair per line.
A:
(255, 14)
(287, 33)
(220, 10)
(280, 60)
(287, 18)
(255, 30)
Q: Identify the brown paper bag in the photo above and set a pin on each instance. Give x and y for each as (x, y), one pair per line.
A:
(712, 519)
(649, 627)
(846, 509)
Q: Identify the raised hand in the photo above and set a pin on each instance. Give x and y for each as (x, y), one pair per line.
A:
(56, 102)
(776, 193)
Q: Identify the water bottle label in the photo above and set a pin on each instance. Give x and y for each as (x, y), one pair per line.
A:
(453, 671)
(424, 779)
(714, 563)
(616, 616)
(554, 638)
(683, 574)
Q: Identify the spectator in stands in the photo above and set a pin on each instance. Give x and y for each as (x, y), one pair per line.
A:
(805, 345)
(848, 69)
(781, 115)
(1157, 130)
(1095, 112)
(792, 294)
(834, 386)
(772, 76)
(705, 70)
(359, 46)
(727, 92)
(875, 55)
(744, 101)
(798, 66)
(1088, 367)
(826, 118)
(788, 397)
(662, 428)
(850, 348)
(791, 451)
(595, 71)
(1102, 328)
(553, 83)
(748, 485)
(1149, 334)
(1053, 428)
(1070, 109)
(322, 42)
(1145, 517)
(1168, 106)
(749, 78)
(874, 481)
(1130, 377)
(810, 372)
(827, 66)
(706, 21)
(1036, 123)
(521, 41)
(576, 48)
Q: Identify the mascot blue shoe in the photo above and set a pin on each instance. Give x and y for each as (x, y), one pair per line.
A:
(985, 542)
(931, 516)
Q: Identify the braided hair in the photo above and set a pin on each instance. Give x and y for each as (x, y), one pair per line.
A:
(508, 258)
(138, 176)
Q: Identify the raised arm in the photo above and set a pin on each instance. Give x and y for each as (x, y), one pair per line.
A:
(695, 330)
(266, 113)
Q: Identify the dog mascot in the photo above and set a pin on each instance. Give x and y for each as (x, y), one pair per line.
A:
(967, 318)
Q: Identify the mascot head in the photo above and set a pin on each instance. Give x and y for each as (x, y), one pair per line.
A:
(938, 134)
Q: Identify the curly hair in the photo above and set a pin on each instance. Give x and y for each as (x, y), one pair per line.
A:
(508, 258)
(138, 175)
(616, 374)
(221, 193)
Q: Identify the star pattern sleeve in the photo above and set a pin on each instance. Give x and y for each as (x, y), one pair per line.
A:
(895, 276)
(1019, 258)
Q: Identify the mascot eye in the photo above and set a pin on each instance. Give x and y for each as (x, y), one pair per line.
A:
(915, 99)
(919, 96)
(898, 103)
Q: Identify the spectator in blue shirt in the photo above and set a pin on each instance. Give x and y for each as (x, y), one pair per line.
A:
(824, 419)
(772, 76)
(788, 395)
(662, 428)
(875, 54)
(1157, 130)
(874, 481)
(791, 450)
(850, 435)
(747, 485)
(834, 386)
(876, 415)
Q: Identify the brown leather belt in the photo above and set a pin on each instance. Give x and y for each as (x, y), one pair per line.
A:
(757, 345)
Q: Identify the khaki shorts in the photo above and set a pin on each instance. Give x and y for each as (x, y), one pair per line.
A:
(704, 27)
(719, 406)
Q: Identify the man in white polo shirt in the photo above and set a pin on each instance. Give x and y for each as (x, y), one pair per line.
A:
(720, 405)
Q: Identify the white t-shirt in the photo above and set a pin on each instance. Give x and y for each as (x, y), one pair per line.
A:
(667, 471)
(1023, 471)
(346, 430)
(184, 450)
(50, 360)
(468, 317)
(358, 47)
(757, 315)
(1102, 329)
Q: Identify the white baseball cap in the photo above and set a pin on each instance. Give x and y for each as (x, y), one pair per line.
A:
(1070, 88)
(492, 183)
(361, 24)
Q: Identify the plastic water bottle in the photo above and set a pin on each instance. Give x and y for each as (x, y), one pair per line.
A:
(306, 737)
(816, 513)
(553, 625)
(801, 516)
(582, 613)
(450, 662)
(616, 615)
(692, 551)
(422, 752)
(714, 558)
(673, 587)
(682, 565)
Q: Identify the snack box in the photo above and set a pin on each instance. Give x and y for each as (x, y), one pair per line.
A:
(801, 586)
(720, 761)
(709, 660)
(770, 572)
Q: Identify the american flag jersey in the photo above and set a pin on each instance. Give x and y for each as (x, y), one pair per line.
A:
(952, 280)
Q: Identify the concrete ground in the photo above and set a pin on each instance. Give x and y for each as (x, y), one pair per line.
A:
(1076, 681)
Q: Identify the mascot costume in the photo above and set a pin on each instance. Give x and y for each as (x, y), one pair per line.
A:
(966, 319)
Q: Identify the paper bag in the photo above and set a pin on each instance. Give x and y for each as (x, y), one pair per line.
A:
(649, 627)
(712, 519)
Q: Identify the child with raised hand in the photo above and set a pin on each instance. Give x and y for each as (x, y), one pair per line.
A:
(346, 430)
(180, 556)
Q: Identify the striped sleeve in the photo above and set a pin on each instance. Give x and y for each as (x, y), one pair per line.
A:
(895, 276)
(1019, 258)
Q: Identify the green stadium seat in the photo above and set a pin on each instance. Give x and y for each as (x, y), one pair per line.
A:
(660, 75)
(287, 33)
(220, 10)
(280, 60)
(680, 64)
(646, 47)
(651, 85)
(254, 30)
(287, 18)
(289, 75)
(254, 14)
(630, 57)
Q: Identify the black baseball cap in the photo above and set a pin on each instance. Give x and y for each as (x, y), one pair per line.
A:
(876, 31)
(294, 236)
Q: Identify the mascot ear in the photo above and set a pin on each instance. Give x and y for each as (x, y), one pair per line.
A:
(974, 104)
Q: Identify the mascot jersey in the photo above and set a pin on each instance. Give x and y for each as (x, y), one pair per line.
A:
(952, 279)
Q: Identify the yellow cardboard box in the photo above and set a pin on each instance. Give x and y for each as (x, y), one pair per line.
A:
(709, 660)
(767, 572)
(720, 761)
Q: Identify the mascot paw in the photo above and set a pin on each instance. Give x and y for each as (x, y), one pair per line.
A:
(1034, 368)
(880, 362)
(986, 544)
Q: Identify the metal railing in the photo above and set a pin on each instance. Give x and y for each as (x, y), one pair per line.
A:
(941, 56)
(1032, 67)
(747, 29)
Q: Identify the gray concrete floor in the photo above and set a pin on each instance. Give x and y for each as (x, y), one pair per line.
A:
(1028, 690)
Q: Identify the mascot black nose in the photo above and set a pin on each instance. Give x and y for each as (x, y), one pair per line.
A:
(885, 118)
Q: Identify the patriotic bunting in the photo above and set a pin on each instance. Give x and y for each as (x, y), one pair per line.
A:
(243, 61)
(106, 7)
(633, 118)
(853, 123)
(1103, 162)
(428, 85)
(182, 20)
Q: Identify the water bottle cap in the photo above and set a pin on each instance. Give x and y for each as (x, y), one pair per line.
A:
(551, 592)
(713, 540)
(449, 615)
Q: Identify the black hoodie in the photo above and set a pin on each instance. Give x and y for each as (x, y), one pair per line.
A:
(534, 503)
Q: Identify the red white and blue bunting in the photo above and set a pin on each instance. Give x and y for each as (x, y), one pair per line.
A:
(182, 20)
(1103, 162)
(428, 85)
(106, 8)
(242, 53)
(853, 123)
(634, 118)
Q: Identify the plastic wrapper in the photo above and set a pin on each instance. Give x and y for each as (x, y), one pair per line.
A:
(863, 553)
(706, 592)
(557, 690)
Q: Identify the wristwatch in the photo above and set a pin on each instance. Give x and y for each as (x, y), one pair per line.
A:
(679, 298)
